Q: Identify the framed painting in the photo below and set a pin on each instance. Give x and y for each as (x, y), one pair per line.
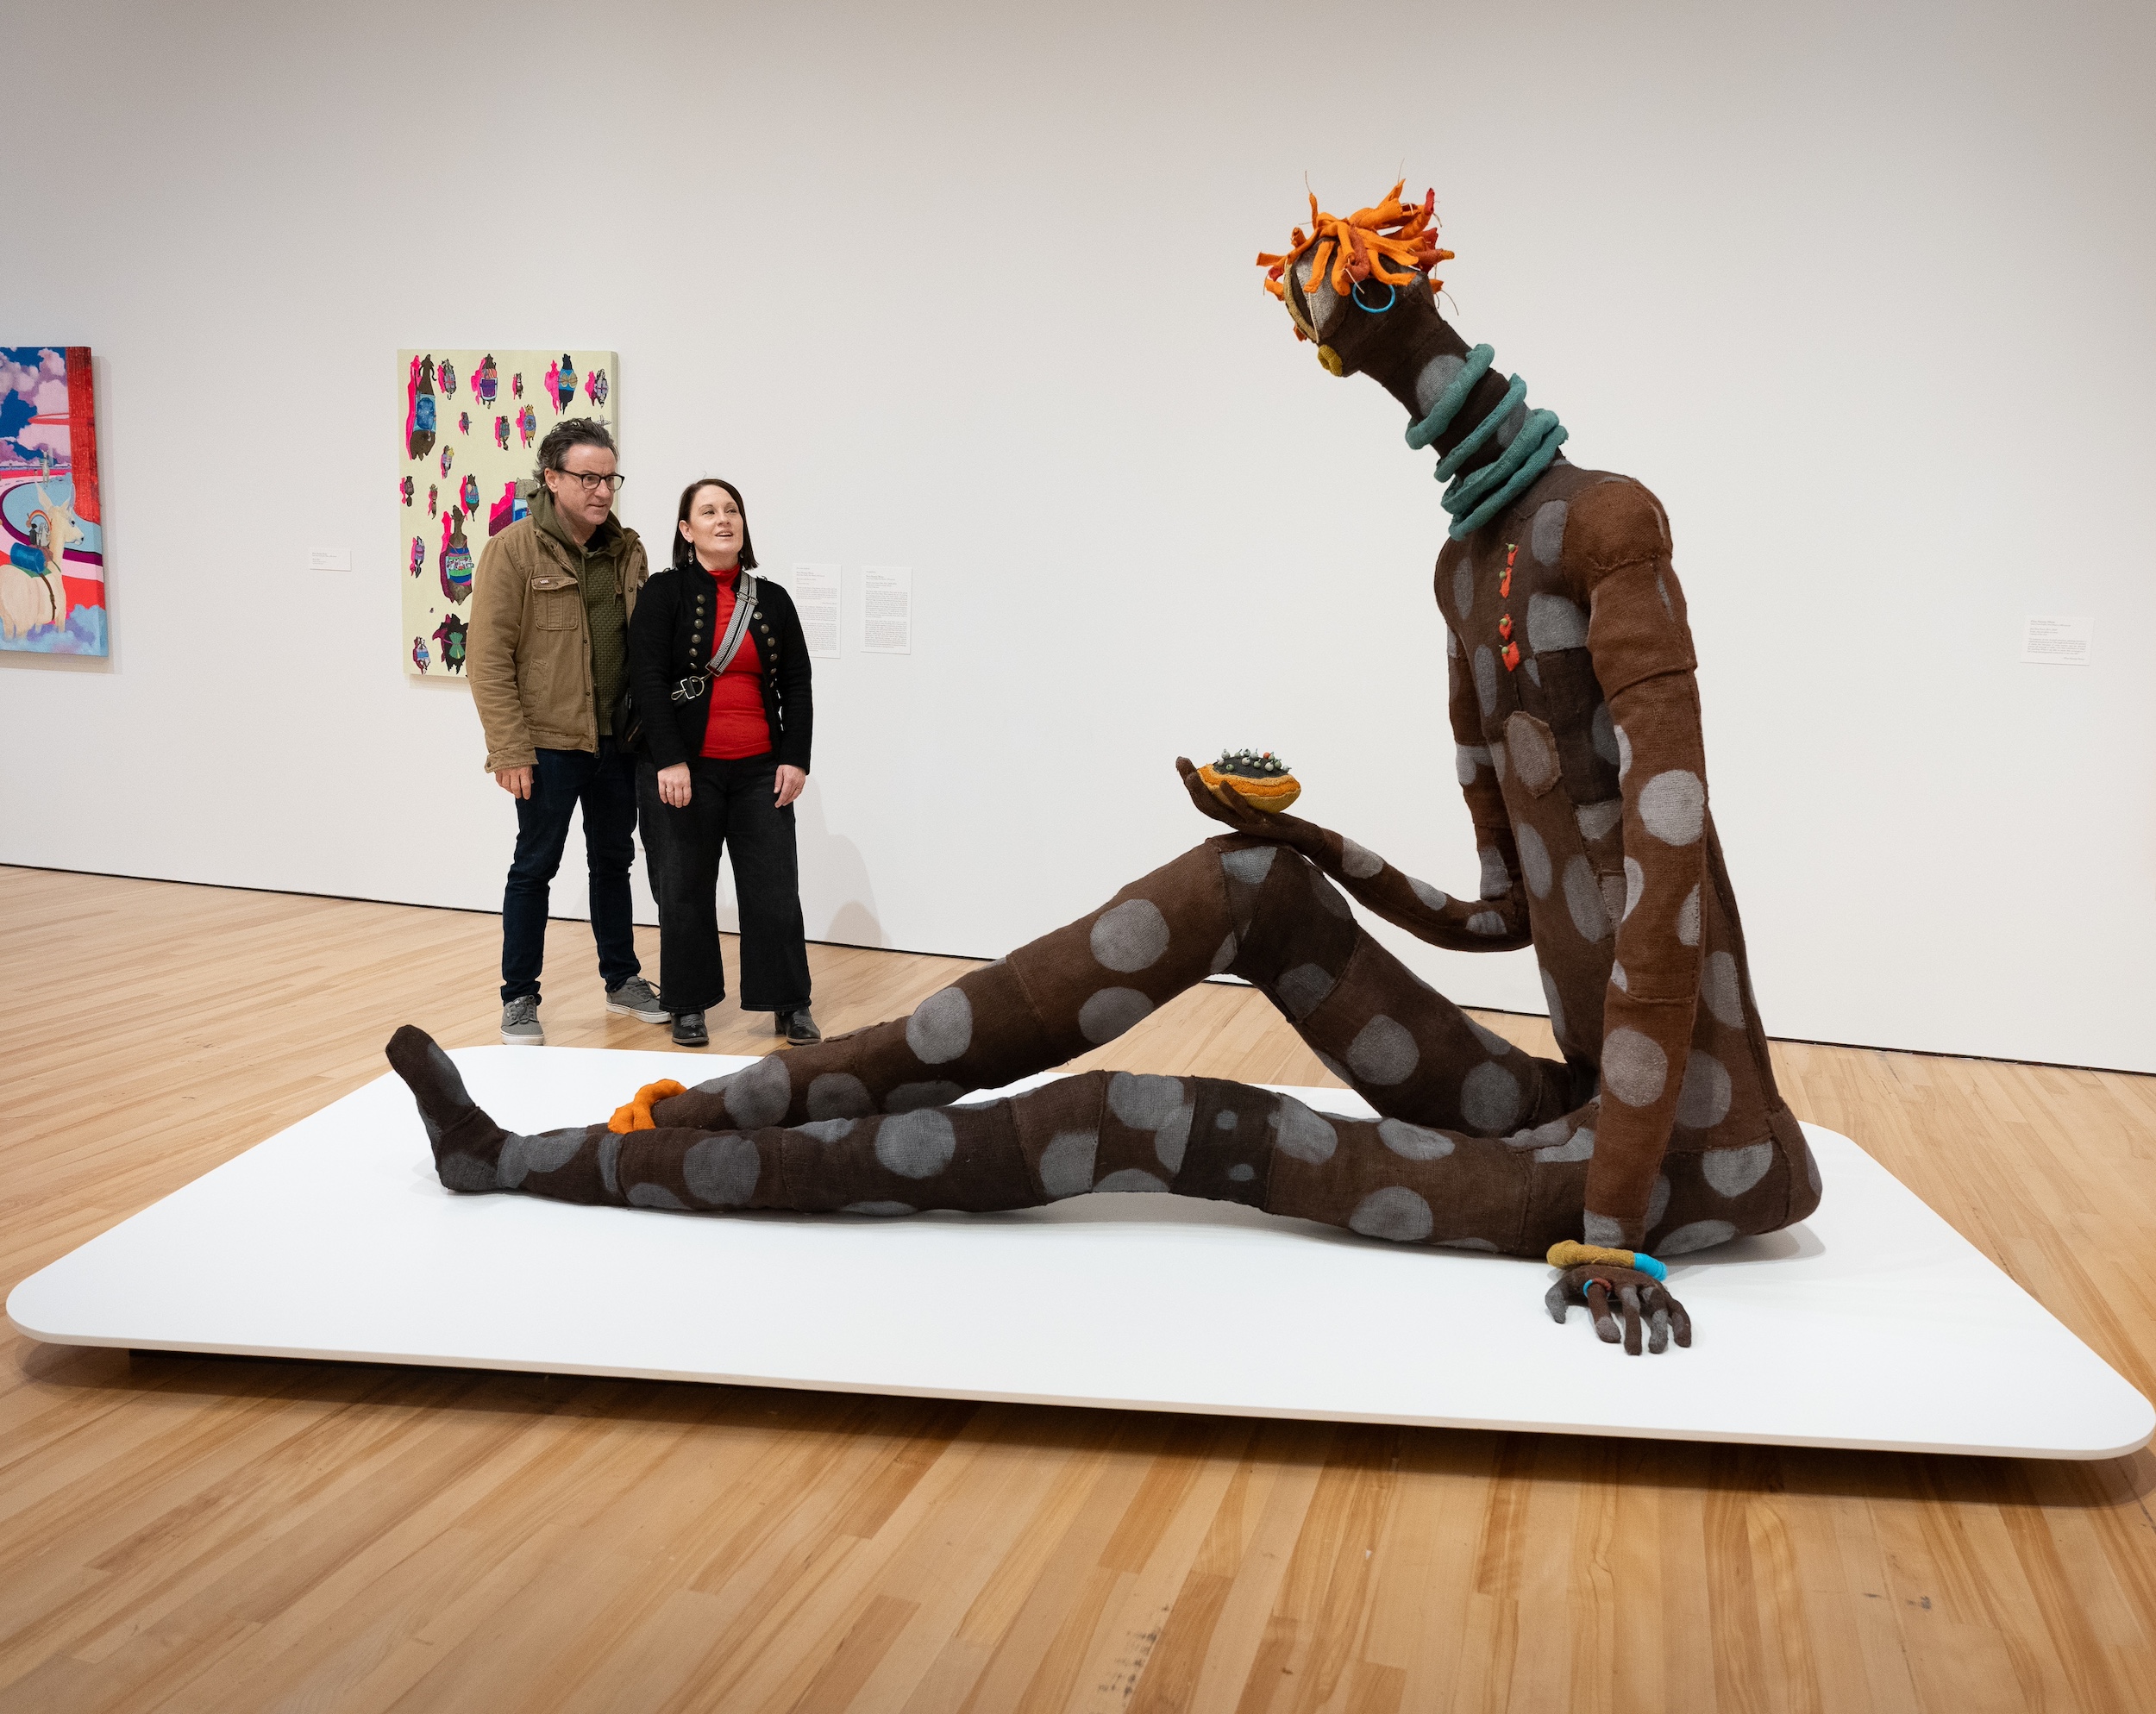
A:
(470, 422)
(53, 586)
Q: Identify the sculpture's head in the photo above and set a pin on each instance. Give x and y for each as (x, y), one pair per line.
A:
(1360, 285)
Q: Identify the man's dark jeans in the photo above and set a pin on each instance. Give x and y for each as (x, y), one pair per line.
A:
(606, 786)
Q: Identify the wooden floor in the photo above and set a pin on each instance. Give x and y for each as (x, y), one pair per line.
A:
(222, 1535)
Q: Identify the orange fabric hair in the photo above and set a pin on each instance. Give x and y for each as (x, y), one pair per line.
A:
(636, 1116)
(1367, 245)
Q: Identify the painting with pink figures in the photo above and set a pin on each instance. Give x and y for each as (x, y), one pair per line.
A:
(470, 424)
(52, 583)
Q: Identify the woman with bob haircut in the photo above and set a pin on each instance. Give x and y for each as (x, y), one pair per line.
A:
(720, 675)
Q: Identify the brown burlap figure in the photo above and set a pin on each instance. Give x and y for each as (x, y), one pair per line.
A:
(1580, 753)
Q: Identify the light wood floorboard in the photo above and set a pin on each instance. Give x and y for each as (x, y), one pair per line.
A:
(216, 1535)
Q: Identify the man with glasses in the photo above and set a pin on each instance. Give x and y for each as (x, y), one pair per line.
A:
(547, 658)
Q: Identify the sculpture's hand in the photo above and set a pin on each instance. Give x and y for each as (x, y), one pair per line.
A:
(1290, 830)
(1608, 1291)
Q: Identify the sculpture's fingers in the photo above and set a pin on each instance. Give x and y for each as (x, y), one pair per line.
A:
(1555, 1301)
(1598, 1309)
(1629, 1297)
(1658, 1331)
(1680, 1322)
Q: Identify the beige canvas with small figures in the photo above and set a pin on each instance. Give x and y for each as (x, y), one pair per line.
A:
(472, 424)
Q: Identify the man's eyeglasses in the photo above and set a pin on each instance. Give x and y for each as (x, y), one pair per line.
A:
(593, 484)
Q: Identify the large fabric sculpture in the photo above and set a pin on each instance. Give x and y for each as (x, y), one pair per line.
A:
(1580, 753)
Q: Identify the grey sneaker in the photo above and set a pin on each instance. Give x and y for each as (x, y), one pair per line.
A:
(520, 1023)
(636, 998)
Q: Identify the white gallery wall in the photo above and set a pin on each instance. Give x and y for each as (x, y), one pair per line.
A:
(1864, 293)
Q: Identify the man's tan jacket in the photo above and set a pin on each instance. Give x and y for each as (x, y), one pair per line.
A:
(529, 654)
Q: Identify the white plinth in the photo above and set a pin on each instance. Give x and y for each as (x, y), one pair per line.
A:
(1873, 1324)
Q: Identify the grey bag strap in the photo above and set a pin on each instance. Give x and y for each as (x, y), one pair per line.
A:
(736, 627)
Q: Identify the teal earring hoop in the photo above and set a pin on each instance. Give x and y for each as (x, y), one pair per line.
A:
(1392, 297)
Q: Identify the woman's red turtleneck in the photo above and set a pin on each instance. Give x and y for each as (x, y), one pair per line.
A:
(737, 726)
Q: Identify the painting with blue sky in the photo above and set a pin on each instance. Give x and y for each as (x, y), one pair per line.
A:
(53, 584)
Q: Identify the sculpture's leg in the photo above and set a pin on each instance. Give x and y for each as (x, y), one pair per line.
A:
(1100, 1130)
(1231, 905)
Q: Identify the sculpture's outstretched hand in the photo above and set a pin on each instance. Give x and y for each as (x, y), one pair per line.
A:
(1281, 830)
(1608, 1291)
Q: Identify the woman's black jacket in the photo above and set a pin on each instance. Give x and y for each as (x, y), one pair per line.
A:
(671, 638)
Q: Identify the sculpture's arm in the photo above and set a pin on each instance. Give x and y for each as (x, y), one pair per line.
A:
(1496, 923)
(1617, 555)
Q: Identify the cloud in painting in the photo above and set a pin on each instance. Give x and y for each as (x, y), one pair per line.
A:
(52, 437)
(43, 383)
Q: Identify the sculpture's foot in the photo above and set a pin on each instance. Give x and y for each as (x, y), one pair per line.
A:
(467, 1143)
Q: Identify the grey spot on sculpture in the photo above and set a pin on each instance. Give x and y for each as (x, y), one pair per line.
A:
(829, 1130)
(1533, 668)
(1324, 303)
(1661, 588)
(1719, 991)
(1613, 888)
(1542, 1136)
(1634, 1068)
(1486, 678)
(1129, 1180)
(1466, 758)
(1619, 980)
(1624, 754)
(1383, 1052)
(1701, 1234)
(1635, 886)
(1491, 1041)
(462, 1172)
(610, 1162)
(1332, 1065)
(1130, 936)
(1673, 806)
(1657, 1202)
(1496, 879)
(1556, 1002)
(910, 1098)
(887, 1210)
(916, 1145)
(1251, 864)
(1553, 623)
(1545, 539)
(1433, 899)
(1242, 1173)
(1688, 919)
(1811, 1167)
(1224, 1120)
(546, 1153)
(1359, 861)
(1580, 1146)
(1110, 1012)
(722, 1170)
(1142, 1101)
(1330, 897)
(1703, 1100)
(1583, 900)
(1534, 753)
(759, 1095)
(1395, 1214)
(1486, 922)
(655, 1195)
(1303, 988)
(1602, 732)
(1437, 375)
(1596, 820)
(451, 1079)
(839, 1095)
(1508, 430)
(1732, 1171)
(1482, 1245)
(1302, 1133)
(941, 1027)
(1534, 860)
(1603, 1228)
(1223, 958)
(1415, 1142)
(1497, 759)
(1489, 1099)
(1067, 1163)
(1172, 1138)
(1463, 590)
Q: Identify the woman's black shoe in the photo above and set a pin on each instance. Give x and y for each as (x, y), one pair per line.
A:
(796, 1026)
(689, 1031)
